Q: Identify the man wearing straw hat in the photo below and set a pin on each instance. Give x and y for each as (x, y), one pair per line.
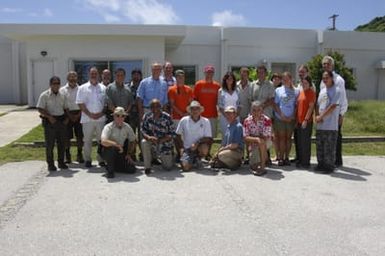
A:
(118, 141)
(195, 132)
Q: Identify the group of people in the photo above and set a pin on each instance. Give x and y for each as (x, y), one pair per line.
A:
(168, 121)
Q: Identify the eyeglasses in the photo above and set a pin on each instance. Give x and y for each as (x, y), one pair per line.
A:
(120, 116)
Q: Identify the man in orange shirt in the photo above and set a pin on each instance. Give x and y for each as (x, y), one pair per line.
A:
(179, 97)
(206, 93)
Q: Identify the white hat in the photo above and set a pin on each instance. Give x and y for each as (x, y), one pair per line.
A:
(195, 104)
(119, 111)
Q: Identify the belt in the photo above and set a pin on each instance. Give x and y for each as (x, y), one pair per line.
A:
(60, 118)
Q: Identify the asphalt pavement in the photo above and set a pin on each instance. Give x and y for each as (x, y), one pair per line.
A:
(287, 212)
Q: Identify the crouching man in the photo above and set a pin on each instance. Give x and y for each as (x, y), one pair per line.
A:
(229, 155)
(158, 132)
(257, 135)
(118, 141)
(194, 132)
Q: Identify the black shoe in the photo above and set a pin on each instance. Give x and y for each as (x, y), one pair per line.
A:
(110, 175)
(68, 158)
(286, 162)
(102, 164)
(88, 164)
(52, 168)
(63, 166)
(156, 162)
(80, 159)
(246, 162)
(147, 171)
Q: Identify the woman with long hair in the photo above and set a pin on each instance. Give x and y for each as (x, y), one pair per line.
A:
(228, 95)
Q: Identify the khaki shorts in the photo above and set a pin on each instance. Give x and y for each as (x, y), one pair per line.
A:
(280, 126)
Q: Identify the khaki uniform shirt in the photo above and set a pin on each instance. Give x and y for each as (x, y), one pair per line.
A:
(71, 96)
(53, 103)
(244, 99)
(118, 134)
(263, 91)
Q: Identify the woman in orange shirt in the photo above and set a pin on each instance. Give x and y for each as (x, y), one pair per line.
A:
(305, 109)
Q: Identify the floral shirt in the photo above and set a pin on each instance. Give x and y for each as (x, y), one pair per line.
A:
(159, 128)
(259, 128)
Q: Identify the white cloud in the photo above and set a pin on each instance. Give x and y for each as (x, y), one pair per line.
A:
(111, 18)
(102, 5)
(46, 12)
(227, 18)
(136, 11)
(10, 10)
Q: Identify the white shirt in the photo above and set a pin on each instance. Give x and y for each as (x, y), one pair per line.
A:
(231, 99)
(192, 131)
(93, 97)
(71, 96)
(340, 83)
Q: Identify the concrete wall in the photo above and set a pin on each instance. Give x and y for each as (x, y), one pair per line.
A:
(6, 75)
(362, 52)
(63, 50)
(182, 45)
(201, 46)
(252, 46)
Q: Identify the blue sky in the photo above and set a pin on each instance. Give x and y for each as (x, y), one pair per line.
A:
(252, 13)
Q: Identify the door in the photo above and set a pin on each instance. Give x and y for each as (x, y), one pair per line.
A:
(42, 71)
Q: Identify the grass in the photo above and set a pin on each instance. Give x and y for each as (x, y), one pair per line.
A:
(363, 118)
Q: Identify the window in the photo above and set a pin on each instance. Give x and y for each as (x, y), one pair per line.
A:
(82, 68)
(283, 67)
(190, 73)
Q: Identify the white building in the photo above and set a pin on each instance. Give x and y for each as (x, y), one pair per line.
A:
(31, 53)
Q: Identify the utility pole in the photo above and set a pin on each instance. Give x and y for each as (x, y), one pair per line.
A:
(333, 17)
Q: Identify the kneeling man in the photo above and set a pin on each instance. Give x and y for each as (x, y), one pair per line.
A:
(230, 153)
(257, 134)
(118, 141)
(195, 132)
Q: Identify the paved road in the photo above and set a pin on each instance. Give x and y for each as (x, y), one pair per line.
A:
(15, 124)
(287, 212)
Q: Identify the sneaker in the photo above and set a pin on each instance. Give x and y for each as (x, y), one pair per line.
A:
(147, 171)
(63, 166)
(52, 168)
(88, 164)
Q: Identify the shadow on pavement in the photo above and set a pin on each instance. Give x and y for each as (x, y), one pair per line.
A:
(348, 173)
(354, 171)
(125, 177)
(273, 175)
(62, 173)
(161, 174)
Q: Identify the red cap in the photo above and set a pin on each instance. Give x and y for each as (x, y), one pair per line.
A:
(209, 68)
